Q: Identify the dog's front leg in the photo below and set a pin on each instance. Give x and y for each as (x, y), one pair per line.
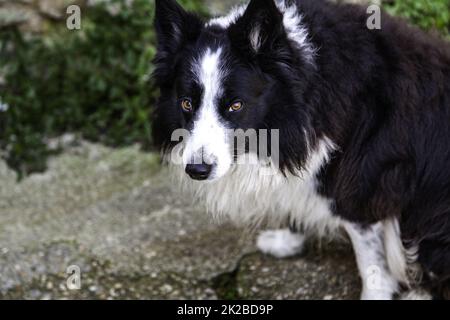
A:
(368, 244)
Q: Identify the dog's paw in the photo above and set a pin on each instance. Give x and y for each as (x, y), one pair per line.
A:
(280, 243)
(372, 295)
(416, 294)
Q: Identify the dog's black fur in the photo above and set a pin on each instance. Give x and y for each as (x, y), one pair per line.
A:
(382, 96)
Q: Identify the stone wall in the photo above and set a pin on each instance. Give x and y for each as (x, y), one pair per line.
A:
(33, 15)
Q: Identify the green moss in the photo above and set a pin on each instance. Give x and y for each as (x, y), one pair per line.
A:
(225, 286)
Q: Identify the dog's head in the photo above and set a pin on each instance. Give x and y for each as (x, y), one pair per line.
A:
(246, 71)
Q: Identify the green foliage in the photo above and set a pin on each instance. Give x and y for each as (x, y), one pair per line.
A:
(95, 81)
(427, 14)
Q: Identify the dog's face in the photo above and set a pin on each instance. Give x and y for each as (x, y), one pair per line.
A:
(231, 73)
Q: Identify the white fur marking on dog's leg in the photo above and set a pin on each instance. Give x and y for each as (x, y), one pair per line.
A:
(395, 252)
(280, 243)
(368, 244)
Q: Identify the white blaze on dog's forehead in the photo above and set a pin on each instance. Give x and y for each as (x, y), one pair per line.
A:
(209, 73)
(208, 140)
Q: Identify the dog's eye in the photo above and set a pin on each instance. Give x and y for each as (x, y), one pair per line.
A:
(186, 105)
(236, 106)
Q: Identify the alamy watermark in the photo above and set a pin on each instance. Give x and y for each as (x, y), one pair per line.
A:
(74, 280)
(374, 278)
(242, 143)
(73, 21)
(374, 19)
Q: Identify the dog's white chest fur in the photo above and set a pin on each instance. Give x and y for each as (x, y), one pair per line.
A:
(251, 194)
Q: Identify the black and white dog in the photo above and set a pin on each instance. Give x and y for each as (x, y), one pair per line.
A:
(363, 124)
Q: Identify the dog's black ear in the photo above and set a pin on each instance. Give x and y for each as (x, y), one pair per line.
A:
(174, 26)
(260, 27)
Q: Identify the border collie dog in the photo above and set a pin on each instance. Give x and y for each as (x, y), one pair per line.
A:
(363, 131)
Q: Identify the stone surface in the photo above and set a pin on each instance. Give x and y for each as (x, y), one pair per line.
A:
(34, 15)
(115, 215)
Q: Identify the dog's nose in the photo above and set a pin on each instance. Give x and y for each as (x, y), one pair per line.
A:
(199, 171)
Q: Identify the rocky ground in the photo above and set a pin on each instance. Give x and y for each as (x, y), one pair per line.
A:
(115, 215)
